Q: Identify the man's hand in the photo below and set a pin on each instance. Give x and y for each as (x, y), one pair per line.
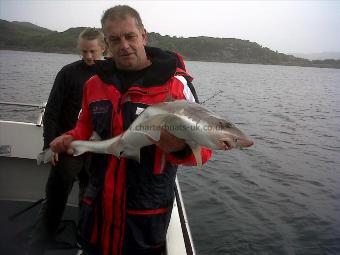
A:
(170, 143)
(62, 144)
(54, 159)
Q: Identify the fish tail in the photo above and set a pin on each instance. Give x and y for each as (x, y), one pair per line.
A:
(40, 158)
(44, 156)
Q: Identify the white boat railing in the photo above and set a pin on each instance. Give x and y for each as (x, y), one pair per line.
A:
(41, 107)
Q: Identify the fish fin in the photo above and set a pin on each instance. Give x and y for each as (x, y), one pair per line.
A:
(154, 135)
(95, 137)
(196, 150)
(151, 127)
(135, 155)
(115, 147)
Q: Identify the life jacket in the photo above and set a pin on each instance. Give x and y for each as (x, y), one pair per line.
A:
(127, 205)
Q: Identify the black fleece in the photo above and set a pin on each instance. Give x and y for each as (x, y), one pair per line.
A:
(64, 102)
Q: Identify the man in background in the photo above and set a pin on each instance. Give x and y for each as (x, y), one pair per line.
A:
(61, 114)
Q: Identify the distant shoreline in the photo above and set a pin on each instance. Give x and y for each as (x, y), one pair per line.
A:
(52, 52)
(208, 61)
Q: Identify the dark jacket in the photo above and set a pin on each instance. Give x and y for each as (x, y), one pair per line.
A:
(127, 206)
(64, 102)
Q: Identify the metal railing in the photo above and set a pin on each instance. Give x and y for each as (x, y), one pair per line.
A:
(41, 107)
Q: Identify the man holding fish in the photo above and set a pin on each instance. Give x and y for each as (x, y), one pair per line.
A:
(127, 205)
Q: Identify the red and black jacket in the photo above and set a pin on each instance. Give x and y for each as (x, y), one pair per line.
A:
(127, 205)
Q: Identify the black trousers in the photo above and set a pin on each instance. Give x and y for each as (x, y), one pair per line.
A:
(58, 187)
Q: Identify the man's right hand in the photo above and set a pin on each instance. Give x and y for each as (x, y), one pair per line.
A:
(62, 144)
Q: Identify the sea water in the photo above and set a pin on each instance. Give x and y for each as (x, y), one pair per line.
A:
(280, 196)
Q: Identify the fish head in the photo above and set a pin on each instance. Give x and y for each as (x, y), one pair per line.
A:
(229, 136)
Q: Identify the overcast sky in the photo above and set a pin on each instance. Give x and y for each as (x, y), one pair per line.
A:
(285, 26)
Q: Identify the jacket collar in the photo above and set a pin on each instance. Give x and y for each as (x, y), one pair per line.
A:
(164, 65)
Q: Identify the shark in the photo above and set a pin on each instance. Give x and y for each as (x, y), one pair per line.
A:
(189, 121)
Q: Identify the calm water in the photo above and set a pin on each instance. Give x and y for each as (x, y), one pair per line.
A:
(281, 196)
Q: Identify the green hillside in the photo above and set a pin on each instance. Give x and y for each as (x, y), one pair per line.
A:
(229, 50)
(29, 37)
(26, 36)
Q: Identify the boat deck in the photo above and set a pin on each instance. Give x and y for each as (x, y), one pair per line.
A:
(22, 184)
(14, 233)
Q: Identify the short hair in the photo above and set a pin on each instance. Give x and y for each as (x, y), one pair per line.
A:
(92, 34)
(121, 12)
